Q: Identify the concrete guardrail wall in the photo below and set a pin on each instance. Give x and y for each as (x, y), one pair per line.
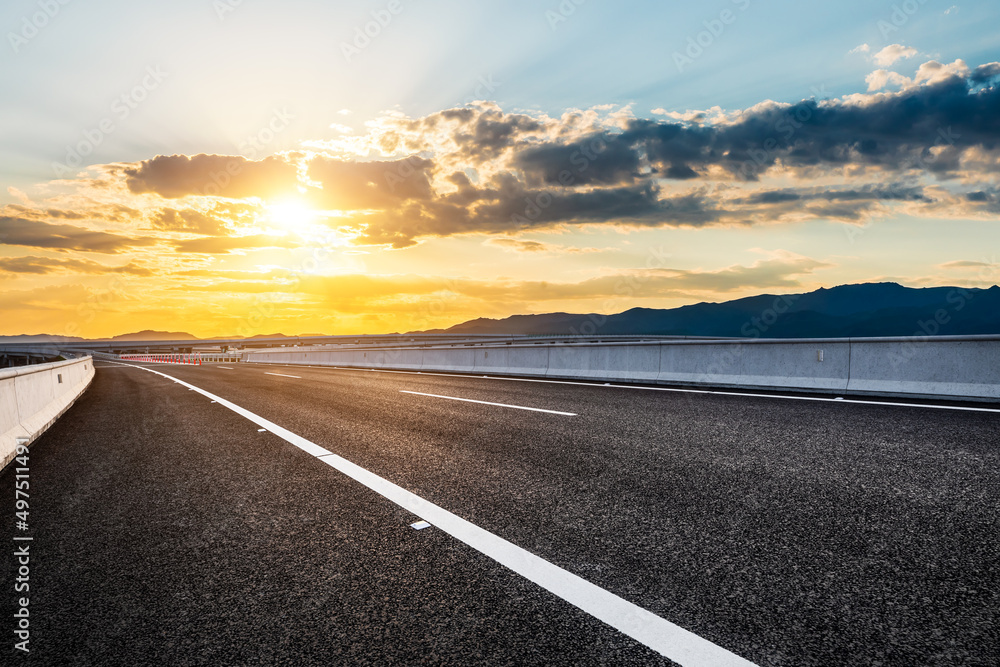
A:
(964, 367)
(33, 397)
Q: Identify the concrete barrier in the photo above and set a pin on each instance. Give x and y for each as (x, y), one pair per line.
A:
(807, 364)
(966, 367)
(961, 367)
(455, 360)
(620, 363)
(33, 397)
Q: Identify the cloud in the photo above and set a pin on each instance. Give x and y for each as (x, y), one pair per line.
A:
(356, 293)
(860, 48)
(31, 233)
(187, 220)
(985, 73)
(231, 176)
(893, 53)
(47, 265)
(229, 244)
(479, 170)
(881, 78)
(597, 159)
(32, 213)
(967, 264)
(528, 246)
(518, 245)
(365, 185)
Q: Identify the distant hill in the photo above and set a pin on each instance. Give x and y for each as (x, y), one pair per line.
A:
(38, 338)
(149, 334)
(868, 309)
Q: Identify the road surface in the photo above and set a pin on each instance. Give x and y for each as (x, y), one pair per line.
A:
(171, 529)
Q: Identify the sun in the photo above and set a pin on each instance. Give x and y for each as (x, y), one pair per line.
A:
(292, 215)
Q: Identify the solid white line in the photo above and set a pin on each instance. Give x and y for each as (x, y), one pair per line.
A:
(820, 399)
(502, 405)
(283, 375)
(669, 640)
(225, 368)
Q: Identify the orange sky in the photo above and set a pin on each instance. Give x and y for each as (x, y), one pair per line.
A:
(424, 222)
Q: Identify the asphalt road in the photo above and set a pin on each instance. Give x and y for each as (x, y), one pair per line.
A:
(169, 530)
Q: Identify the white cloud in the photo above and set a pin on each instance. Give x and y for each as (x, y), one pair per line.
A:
(929, 73)
(932, 71)
(892, 53)
(860, 48)
(881, 78)
(951, 10)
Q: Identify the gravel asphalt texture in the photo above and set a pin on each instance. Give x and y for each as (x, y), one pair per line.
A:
(168, 530)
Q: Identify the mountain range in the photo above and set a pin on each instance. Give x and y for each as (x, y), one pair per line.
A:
(866, 309)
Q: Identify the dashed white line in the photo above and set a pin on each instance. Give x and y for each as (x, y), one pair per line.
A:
(297, 377)
(682, 390)
(659, 634)
(502, 405)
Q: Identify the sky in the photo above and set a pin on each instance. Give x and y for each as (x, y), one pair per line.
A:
(246, 167)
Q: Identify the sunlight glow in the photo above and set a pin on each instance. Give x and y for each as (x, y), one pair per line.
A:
(291, 216)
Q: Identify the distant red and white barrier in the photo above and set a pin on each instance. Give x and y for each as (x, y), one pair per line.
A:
(193, 359)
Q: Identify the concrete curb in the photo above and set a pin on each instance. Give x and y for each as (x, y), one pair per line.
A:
(32, 398)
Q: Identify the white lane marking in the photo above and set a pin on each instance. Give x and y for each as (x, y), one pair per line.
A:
(225, 368)
(659, 634)
(502, 405)
(420, 525)
(820, 399)
(261, 430)
(283, 375)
